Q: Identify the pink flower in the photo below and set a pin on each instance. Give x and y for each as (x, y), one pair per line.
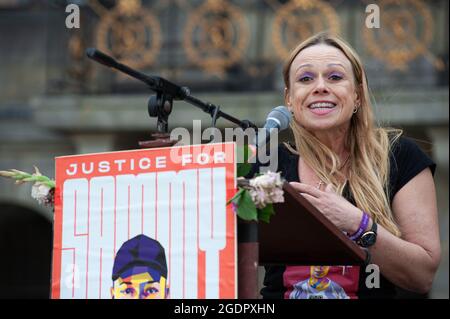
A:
(259, 197)
(276, 196)
(266, 189)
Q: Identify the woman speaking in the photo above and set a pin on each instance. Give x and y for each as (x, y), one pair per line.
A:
(372, 183)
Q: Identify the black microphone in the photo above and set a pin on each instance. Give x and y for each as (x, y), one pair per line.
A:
(278, 119)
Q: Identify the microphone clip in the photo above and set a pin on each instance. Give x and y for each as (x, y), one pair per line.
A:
(160, 106)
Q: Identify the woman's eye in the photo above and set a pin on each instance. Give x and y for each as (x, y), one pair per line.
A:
(305, 79)
(335, 77)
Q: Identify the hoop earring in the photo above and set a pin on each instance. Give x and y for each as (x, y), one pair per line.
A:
(356, 109)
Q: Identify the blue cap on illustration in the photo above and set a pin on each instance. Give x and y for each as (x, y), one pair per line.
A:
(138, 255)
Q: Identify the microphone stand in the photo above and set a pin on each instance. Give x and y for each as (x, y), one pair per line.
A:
(160, 105)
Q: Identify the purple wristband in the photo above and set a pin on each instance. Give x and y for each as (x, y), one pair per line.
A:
(362, 226)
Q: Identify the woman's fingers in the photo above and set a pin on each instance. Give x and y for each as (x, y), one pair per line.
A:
(313, 200)
(307, 189)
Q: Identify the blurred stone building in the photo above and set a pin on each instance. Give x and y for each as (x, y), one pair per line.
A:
(54, 101)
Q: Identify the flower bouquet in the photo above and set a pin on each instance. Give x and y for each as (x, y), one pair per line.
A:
(43, 189)
(255, 197)
(252, 202)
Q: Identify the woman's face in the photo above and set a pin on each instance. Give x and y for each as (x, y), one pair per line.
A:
(322, 91)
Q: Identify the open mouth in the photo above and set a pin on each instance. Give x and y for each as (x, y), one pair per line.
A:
(322, 108)
(322, 105)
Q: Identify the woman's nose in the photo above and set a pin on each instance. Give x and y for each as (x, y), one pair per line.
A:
(321, 86)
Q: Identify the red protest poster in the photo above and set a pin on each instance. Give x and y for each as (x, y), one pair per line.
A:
(149, 223)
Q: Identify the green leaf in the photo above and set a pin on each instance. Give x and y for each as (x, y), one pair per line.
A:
(243, 167)
(246, 208)
(265, 213)
(50, 184)
(41, 178)
(236, 196)
(22, 176)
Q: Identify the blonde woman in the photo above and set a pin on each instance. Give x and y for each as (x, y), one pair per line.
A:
(373, 184)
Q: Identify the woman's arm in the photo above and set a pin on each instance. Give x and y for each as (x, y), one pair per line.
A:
(412, 260)
(409, 262)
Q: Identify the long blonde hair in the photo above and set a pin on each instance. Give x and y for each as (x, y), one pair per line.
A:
(369, 145)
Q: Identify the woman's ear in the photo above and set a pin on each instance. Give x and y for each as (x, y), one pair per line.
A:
(357, 100)
(287, 99)
(358, 93)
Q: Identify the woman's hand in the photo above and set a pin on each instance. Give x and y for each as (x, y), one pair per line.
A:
(336, 208)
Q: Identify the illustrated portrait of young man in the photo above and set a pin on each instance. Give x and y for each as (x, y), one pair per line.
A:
(140, 270)
(318, 286)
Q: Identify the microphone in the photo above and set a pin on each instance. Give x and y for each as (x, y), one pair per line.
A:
(279, 118)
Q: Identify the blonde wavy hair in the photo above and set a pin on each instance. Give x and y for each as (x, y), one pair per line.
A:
(369, 145)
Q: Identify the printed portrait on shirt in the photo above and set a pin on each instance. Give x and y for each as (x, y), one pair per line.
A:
(321, 282)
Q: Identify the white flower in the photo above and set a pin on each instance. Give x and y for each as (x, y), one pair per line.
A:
(43, 189)
(276, 196)
(266, 189)
(40, 192)
(259, 197)
(267, 180)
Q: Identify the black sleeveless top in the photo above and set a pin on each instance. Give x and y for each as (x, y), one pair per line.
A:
(406, 161)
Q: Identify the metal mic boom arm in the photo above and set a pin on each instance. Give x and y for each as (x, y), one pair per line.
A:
(166, 91)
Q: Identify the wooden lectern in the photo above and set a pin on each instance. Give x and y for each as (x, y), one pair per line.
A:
(298, 234)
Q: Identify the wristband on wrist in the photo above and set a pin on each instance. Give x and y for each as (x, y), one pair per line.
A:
(362, 227)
